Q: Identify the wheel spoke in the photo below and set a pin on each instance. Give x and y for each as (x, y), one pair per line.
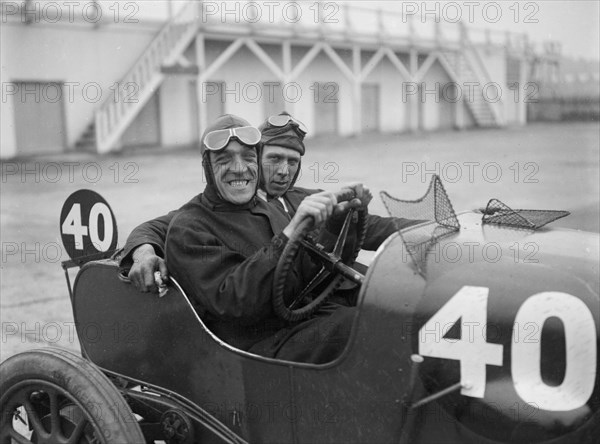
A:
(55, 429)
(62, 398)
(18, 437)
(78, 432)
(33, 418)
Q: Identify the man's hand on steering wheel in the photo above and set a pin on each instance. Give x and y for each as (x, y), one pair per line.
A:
(313, 210)
(145, 264)
(358, 197)
(318, 207)
(362, 198)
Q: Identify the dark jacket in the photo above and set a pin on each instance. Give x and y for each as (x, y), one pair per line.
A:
(225, 261)
(154, 232)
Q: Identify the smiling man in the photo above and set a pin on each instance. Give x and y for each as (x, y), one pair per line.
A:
(223, 247)
(235, 169)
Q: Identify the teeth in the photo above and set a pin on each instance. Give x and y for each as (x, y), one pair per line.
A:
(238, 183)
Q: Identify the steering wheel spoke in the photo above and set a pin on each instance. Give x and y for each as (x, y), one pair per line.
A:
(341, 240)
(314, 283)
(334, 268)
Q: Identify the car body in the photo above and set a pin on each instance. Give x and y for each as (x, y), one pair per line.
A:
(491, 336)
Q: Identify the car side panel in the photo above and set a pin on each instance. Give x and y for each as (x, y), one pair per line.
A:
(161, 341)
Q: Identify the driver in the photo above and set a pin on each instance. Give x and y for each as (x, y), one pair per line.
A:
(223, 247)
(281, 150)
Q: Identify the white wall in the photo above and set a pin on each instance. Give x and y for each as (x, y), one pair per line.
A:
(433, 105)
(83, 56)
(178, 112)
(393, 109)
(323, 70)
(244, 93)
(244, 71)
(494, 61)
(89, 59)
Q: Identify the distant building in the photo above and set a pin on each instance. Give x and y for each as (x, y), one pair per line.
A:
(102, 77)
(567, 90)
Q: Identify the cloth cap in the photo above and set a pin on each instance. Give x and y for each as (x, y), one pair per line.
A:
(287, 136)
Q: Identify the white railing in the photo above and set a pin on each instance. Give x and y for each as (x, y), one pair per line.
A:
(331, 19)
(474, 57)
(326, 19)
(140, 82)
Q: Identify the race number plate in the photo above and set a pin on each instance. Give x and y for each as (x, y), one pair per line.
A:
(525, 351)
(87, 225)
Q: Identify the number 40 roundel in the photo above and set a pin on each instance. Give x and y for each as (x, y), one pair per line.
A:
(469, 308)
(87, 225)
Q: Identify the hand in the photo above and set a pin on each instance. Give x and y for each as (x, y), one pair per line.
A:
(362, 198)
(145, 263)
(318, 206)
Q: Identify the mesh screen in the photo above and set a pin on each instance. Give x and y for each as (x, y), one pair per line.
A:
(434, 209)
(498, 213)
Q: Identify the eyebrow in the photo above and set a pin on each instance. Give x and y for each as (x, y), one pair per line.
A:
(221, 156)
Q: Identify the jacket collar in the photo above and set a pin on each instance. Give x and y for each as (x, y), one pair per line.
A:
(216, 204)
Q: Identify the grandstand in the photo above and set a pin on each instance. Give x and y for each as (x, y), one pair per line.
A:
(106, 76)
(569, 90)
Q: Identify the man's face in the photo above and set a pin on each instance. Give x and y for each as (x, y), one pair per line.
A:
(279, 167)
(236, 171)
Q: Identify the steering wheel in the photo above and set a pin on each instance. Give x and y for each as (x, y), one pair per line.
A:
(334, 266)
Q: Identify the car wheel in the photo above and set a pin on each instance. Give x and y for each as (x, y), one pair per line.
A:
(52, 396)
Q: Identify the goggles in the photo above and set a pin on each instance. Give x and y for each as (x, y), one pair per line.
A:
(283, 119)
(218, 139)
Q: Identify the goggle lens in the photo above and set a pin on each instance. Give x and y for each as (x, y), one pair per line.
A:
(283, 120)
(217, 140)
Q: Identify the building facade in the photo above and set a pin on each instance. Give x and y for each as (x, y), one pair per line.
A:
(102, 77)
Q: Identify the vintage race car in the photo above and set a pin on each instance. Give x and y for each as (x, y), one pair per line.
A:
(471, 328)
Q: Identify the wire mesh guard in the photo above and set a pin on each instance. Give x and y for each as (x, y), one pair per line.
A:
(436, 214)
(498, 213)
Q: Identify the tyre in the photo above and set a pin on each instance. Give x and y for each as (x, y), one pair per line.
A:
(52, 396)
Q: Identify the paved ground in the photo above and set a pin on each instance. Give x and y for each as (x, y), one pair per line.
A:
(539, 166)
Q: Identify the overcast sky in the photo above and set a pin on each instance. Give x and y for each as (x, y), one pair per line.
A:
(575, 23)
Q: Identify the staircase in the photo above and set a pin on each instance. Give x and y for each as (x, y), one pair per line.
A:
(87, 141)
(485, 112)
(138, 85)
(113, 117)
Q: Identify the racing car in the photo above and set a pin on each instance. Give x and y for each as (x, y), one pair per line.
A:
(475, 327)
